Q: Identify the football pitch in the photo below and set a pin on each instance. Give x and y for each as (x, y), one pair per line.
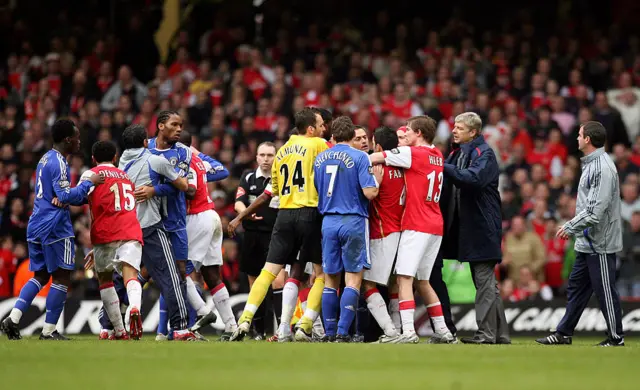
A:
(86, 363)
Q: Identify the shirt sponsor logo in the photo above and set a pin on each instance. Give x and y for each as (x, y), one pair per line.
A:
(395, 151)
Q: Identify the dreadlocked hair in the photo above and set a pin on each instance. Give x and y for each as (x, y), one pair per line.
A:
(164, 116)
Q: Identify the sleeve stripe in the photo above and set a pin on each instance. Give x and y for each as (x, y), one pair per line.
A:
(63, 168)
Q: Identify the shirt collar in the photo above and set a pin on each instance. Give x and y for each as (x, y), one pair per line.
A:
(106, 165)
(259, 173)
(595, 154)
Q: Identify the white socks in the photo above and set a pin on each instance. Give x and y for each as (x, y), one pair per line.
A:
(220, 296)
(407, 309)
(378, 309)
(111, 304)
(16, 315)
(289, 301)
(196, 301)
(134, 292)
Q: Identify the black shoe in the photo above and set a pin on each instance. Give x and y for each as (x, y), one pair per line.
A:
(327, 339)
(608, 342)
(475, 340)
(555, 339)
(226, 336)
(357, 338)
(503, 341)
(342, 339)
(10, 328)
(203, 321)
(54, 336)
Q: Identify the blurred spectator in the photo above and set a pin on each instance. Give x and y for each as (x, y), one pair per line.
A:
(629, 282)
(626, 99)
(8, 264)
(523, 248)
(630, 201)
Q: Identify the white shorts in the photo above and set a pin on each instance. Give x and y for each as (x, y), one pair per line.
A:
(109, 257)
(308, 267)
(204, 232)
(417, 254)
(383, 253)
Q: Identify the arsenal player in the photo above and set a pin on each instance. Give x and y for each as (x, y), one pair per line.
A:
(204, 234)
(385, 214)
(116, 237)
(422, 224)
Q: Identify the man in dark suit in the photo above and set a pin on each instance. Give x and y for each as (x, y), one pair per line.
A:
(473, 223)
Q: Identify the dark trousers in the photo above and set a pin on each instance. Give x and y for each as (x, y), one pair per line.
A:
(593, 272)
(157, 256)
(440, 287)
(490, 318)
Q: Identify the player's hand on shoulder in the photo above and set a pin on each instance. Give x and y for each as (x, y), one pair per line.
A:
(96, 179)
(90, 260)
(378, 173)
(143, 193)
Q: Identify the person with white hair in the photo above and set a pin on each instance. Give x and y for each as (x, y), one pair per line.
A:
(473, 224)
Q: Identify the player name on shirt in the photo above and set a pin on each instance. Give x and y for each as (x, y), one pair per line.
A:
(291, 149)
(435, 160)
(112, 174)
(344, 157)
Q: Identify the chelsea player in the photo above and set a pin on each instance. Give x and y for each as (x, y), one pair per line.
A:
(345, 182)
(50, 233)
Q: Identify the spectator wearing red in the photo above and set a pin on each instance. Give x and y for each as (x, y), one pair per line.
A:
(8, 265)
(183, 66)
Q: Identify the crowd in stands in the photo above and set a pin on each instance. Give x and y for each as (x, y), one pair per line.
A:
(531, 88)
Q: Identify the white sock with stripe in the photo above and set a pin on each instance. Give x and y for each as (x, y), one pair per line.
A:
(111, 304)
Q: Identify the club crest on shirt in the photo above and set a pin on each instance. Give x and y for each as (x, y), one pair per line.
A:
(395, 151)
(173, 161)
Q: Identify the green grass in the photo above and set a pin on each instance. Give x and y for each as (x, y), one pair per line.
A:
(86, 363)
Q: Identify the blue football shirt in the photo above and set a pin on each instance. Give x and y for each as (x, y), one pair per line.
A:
(49, 223)
(340, 174)
(175, 203)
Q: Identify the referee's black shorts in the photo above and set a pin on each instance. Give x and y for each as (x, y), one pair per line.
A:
(254, 251)
(296, 230)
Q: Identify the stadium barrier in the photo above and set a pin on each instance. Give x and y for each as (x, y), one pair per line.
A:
(525, 318)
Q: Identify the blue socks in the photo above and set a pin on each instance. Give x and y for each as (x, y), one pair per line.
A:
(163, 324)
(28, 292)
(348, 307)
(330, 306)
(55, 303)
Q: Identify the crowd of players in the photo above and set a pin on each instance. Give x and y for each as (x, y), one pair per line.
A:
(347, 213)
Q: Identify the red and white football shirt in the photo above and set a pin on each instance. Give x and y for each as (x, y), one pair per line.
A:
(198, 179)
(113, 207)
(385, 211)
(423, 176)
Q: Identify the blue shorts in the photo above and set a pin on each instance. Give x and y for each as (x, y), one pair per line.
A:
(180, 244)
(58, 254)
(345, 244)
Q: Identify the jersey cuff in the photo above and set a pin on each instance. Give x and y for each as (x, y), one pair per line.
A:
(268, 193)
(384, 154)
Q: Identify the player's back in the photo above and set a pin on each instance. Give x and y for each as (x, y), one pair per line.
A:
(113, 207)
(337, 180)
(292, 173)
(423, 189)
(137, 164)
(198, 179)
(385, 211)
(48, 222)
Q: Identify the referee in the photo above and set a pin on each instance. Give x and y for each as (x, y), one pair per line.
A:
(597, 227)
(257, 230)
